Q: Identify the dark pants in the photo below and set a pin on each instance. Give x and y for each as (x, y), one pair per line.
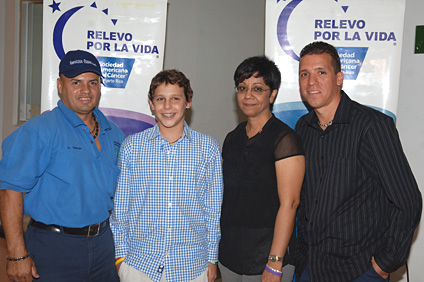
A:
(65, 258)
(369, 276)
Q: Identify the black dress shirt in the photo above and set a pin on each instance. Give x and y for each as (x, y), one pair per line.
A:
(359, 198)
(251, 202)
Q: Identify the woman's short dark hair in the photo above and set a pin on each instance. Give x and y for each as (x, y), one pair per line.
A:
(260, 66)
(318, 48)
(172, 76)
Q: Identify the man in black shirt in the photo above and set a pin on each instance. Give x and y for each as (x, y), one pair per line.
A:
(360, 203)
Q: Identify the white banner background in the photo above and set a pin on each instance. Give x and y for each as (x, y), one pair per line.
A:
(367, 35)
(127, 37)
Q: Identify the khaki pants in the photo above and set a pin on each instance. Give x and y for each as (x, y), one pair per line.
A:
(130, 274)
(230, 276)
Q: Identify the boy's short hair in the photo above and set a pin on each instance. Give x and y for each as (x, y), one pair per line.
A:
(172, 76)
(262, 67)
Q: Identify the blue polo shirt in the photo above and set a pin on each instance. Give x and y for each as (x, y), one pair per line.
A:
(54, 159)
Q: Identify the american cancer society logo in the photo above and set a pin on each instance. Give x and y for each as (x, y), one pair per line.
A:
(115, 70)
(346, 32)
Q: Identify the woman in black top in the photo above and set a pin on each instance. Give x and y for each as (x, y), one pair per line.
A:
(263, 166)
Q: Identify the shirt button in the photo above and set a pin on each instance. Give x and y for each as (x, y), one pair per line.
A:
(167, 254)
(169, 205)
(160, 269)
(322, 157)
(169, 229)
(170, 178)
(168, 152)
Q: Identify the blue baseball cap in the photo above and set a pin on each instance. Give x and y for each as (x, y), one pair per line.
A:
(77, 62)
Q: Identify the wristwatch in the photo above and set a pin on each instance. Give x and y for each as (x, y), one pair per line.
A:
(275, 258)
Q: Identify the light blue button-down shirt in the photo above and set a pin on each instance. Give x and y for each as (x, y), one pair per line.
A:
(168, 204)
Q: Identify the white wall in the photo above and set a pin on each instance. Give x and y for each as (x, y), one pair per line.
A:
(410, 121)
(207, 40)
(2, 48)
(8, 52)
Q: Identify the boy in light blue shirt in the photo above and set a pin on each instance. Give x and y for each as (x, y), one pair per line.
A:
(168, 199)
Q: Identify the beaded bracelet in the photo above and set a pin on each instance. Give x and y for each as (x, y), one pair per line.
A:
(273, 271)
(17, 259)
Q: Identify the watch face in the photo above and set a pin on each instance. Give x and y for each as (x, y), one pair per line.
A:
(274, 258)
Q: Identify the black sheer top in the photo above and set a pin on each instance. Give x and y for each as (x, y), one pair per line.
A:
(251, 202)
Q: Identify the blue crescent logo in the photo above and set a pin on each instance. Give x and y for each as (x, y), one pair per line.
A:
(282, 35)
(61, 22)
(58, 31)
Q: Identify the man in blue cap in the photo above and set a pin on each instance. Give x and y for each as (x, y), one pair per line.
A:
(60, 169)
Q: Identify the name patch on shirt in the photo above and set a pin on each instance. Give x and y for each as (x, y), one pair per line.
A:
(117, 147)
(75, 148)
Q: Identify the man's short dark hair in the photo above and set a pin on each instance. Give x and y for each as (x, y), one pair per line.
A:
(261, 66)
(318, 48)
(172, 76)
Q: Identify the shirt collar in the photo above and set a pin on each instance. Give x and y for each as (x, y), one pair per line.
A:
(342, 115)
(76, 121)
(155, 133)
(343, 110)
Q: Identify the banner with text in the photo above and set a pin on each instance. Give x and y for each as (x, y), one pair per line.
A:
(367, 35)
(128, 39)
